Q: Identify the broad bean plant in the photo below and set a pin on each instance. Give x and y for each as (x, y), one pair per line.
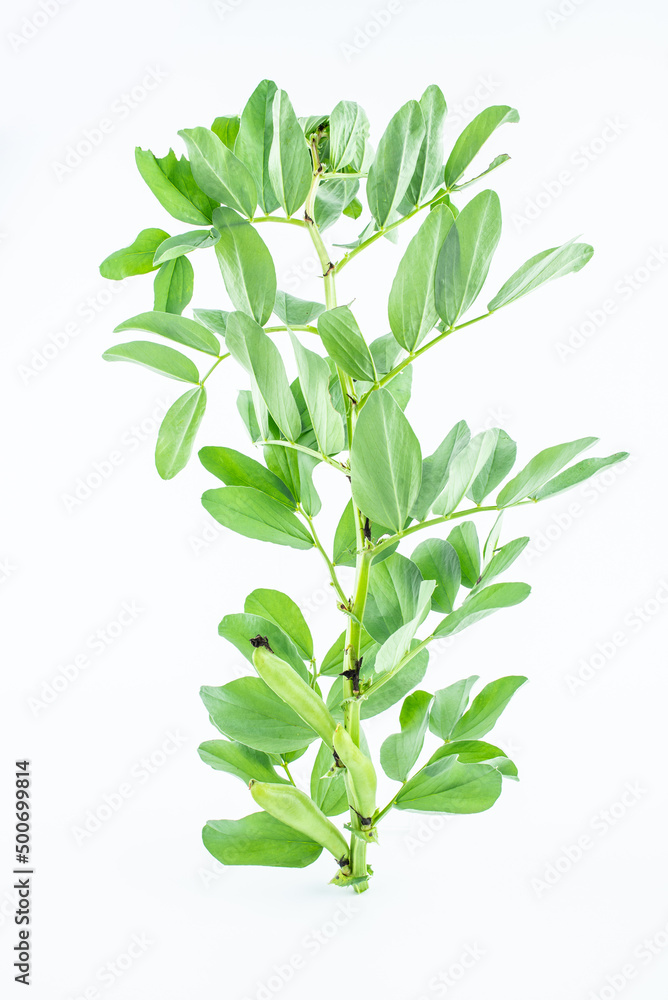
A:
(345, 410)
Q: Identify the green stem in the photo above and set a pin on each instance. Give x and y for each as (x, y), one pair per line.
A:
(213, 367)
(278, 218)
(338, 173)
(382, 231)
(278, 329)
(287, 771)
(330, 565)
(309, 451)
(386, 542)
(416, 354)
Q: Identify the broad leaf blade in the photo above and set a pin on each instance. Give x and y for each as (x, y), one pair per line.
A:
(246, 265)
(481, 603)
(395, 162)
(236, 469)
(437, 560)
(135, 259)
(239, 629)
(473, 137)
(156, 357)
(241, 761)
(428, 174)
(541, 469)
(411, 307)
(451, 787)
(218, 171)
(385, 462)
(256, 515)
(253, 143)
(173, 184)
(294, 311)
(259, 839)
(486, 708)
(290, 167)
(345, 344)
(178, 431)
(464, 540)
(177, 246)
(314, 381)
(436, 468)
(177, 328)
(496, 468)
(348, 135)
(449, 706)
(543, 267)
(400, 751)
(173, 286)
(466, 255)
(247, 710)
(577, 474)
(282, 610)
(462, 470)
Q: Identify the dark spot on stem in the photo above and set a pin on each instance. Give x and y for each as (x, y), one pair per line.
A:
(367, 529)
(261, 640)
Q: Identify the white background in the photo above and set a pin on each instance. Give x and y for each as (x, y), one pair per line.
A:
(597, 563)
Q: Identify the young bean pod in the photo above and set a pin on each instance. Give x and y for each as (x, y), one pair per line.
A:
(294, 808)
(360, 778)
(294, 691)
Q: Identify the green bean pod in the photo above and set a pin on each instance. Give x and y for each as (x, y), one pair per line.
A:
(294, 808)
(361, 774)
(295, 692)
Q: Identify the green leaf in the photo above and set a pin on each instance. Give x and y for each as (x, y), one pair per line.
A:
(545, 266)
(465, 256)
(157, 357)
(247, 710)
(541, 469)
(218, 171)
(314, 381)
(178, 431)
(486, 708)
(385, 462)
(256, 515)
(394, 594)
(497, 467)
(135, 259)
(172, 182)
(496, 162)
(463, 469)
(173, 286)
(428, 174)
(239, 629)
(449, 706)
(400, 643)
(436, 468)
(236, 469)
(450, 787)
(348, 135)
(213, 319)
(333, 661)
(400, 751)
(468, 752)
(282, 610)
(253, 142)
(502, 559)
(241, 761)
(177, 246)
(259, 839)
(437, 560)
(345, 539)
(290, 167)
(481, 603)
(328, 791)
(354, 209)
(296, 470)
(397, 687)
(246, 265)
(257, 353)
(411, 306)
(296, 312)
(395, 162)
(345, 344)
(578, 473)
(331, 199)
(226, 127)
(177, 328)
(464, 540)
(492, 540)
(476, 133)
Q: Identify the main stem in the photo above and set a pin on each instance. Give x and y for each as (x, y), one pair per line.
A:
(363, 559)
